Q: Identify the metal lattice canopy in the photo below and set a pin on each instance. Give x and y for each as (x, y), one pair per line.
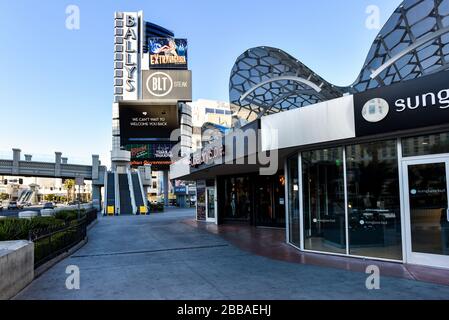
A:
(414, 42)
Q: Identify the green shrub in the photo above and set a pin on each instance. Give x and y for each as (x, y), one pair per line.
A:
(69, 215)
(19, 229)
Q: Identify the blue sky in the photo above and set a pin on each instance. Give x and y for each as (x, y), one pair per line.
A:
(57, 84)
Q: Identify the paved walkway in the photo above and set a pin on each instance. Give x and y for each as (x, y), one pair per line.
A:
(162, 257)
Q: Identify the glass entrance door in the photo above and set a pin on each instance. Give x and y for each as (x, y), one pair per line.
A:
(210, 205)
(427, 220)
(269, 204)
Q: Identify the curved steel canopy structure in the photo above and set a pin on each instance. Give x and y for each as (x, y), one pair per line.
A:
(413, 43)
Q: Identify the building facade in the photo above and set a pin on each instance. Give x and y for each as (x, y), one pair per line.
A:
(215, 113)
(152, 84)
(356, 171)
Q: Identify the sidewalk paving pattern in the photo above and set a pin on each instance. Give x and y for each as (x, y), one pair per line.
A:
(161, 257)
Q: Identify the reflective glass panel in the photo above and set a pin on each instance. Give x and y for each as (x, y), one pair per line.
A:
(237, 201)
(424, 145)
(324, 200)
(210, 203)
(293, 201)
(373, 200)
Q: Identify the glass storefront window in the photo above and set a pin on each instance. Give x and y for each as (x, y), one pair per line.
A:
(324, 200)
(237, 202)
(425, 145)
(269, 201)
(373, 200)
(293, 201)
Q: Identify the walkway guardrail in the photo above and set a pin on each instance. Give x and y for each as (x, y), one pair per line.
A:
(50, 243)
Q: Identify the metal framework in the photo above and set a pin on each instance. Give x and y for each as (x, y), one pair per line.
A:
(413, 43)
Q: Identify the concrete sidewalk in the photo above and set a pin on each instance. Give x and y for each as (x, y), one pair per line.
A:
(160, 257)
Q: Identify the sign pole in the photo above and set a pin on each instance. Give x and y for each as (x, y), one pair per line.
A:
(79, 181)
(79, 204)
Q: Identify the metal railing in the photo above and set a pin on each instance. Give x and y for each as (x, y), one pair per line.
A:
(50, 243)
(91, 216)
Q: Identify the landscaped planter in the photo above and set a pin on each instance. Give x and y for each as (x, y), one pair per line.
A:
(48, 212)
(28, 214)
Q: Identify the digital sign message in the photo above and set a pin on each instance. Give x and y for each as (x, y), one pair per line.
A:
(141, 124)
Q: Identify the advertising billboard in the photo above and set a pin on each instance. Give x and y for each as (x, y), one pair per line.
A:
(142, 123)
(167, 53)
(167, 85)
(158, 155)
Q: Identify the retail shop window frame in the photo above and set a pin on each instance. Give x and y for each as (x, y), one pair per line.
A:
(400, 159)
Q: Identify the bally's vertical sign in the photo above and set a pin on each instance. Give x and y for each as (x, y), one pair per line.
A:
(126, 55)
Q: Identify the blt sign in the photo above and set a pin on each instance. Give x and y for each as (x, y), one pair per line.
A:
(159, 84)
(167, 85)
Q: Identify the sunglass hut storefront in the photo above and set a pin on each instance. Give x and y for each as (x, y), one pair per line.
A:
(364, 175)
(371, 180)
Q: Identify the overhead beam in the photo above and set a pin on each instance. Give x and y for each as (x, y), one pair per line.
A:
(407, 50)
(281, 78)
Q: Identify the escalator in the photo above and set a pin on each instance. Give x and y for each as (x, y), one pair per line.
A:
(22, 197)
(110, 193)
(28, 196)
(25, 197)
(137, 189)
(125, 196)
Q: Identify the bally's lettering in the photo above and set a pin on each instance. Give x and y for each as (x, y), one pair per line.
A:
(130, 57)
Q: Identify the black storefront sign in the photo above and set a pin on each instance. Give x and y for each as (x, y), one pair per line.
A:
(140, 124)
(407, 105)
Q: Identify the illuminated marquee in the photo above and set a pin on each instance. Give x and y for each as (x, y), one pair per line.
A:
(157, 59)
(168, 53)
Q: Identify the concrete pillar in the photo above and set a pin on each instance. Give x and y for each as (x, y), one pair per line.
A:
(28, 157)
(165, 187)
(15, 160)
(64, 160)
(96, 197)
(58, 160)
(181, 200)
(95, 167)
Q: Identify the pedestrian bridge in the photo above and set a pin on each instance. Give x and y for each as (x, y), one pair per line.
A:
(57, 169)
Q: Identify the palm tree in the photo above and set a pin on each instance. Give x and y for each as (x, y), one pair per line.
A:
(69, 185)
